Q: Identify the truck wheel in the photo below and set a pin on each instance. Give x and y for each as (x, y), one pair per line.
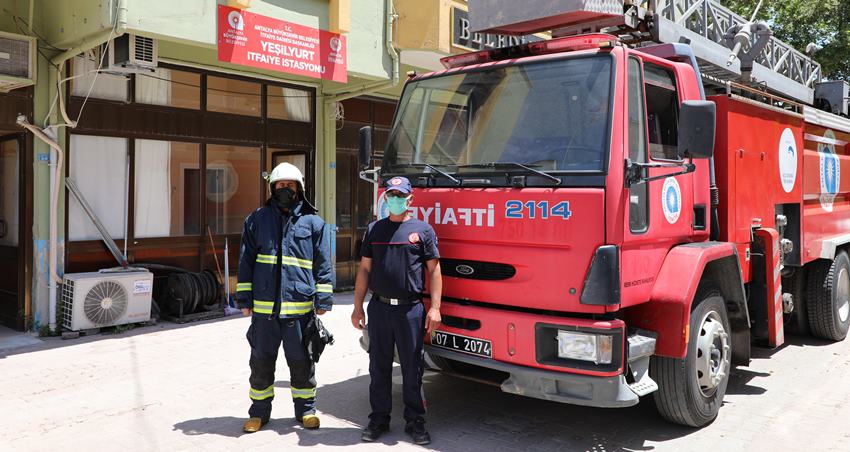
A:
(797, 322)
(828, 297)
(691, 390)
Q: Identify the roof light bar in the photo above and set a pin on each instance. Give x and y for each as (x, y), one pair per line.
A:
(565, 44)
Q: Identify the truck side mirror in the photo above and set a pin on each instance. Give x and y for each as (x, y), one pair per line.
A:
(365, 150)
(697, 124)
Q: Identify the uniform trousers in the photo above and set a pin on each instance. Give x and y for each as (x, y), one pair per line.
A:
(402, 328)
(265, 337)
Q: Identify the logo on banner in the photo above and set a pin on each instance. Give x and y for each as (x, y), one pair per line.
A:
(234, 19)
(830, 171)
(336, 44)
(787, 160)
(671, 200)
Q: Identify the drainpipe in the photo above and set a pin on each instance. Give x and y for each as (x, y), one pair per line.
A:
(333, 96)
(348, 93)
(50, 136)
(30, 16)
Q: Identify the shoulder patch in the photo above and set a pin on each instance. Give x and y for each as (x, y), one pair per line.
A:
(413, 237)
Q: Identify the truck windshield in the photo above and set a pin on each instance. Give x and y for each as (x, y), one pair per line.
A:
(553, 116)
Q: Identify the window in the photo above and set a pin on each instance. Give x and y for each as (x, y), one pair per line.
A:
(296, 157)
(9, 190)
(238, 97)
(638, 194)
(289, 104)
(553, 116)
(169, 87)
(87, 81)
(344, 186)
(662, 112)
(167, 197)
(233, 186)
(99, 167)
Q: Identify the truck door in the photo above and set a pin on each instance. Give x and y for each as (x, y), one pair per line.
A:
(660, 213)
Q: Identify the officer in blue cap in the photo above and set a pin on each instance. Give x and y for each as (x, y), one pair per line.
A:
(398, 252)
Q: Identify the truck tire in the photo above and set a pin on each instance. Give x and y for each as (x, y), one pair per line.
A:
(828, 297)
(690, 390)
(797, 322)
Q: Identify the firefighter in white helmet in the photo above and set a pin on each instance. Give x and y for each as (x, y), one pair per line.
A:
(285, 279)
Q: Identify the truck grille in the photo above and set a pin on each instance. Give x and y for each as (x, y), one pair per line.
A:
(489, 271)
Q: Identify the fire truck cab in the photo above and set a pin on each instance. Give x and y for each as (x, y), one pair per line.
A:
(608, 231)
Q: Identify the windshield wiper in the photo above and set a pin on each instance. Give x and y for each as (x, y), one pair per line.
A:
(431, 167)
(495, 165)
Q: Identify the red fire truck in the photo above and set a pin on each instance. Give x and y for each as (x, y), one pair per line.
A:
(624, 213)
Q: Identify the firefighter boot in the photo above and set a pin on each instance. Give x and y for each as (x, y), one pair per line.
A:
(310, 421)
(253, 424)
(303, 387)
(302, 373)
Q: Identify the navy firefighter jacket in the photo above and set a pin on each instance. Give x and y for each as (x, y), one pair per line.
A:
(300, 243)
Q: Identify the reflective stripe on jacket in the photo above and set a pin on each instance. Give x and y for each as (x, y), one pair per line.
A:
(298, 245)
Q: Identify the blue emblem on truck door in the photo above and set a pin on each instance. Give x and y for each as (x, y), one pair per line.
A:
(671, 200)
(830, 171)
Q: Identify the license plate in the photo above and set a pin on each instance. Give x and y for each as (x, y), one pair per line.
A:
(464, 344)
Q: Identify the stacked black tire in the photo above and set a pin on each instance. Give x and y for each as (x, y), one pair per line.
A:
(188, 293)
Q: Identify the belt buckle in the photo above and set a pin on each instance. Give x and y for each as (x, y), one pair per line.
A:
(394, 301)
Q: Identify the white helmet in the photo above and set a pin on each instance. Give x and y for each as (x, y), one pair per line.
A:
(286, 171)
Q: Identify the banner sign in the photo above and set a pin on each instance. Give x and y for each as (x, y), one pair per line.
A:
(264, 42)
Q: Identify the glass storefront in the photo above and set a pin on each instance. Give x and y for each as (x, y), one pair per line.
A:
(183, 161)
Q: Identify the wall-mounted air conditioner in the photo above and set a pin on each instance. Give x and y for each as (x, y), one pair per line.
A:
(99, 299)
(17, 61)
(129, 54)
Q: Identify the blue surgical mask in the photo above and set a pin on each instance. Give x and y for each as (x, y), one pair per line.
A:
(397, 206)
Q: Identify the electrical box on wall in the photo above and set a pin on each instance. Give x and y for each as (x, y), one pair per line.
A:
(17, 61)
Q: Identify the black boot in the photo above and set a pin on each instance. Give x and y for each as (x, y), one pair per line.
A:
(417, 432)
(374, 431)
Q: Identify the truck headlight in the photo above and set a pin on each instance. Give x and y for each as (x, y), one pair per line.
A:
(596, 348)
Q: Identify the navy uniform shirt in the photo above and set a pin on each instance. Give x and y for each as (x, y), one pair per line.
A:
(399, 252)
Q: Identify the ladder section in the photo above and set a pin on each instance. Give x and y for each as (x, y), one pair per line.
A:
(710, 29)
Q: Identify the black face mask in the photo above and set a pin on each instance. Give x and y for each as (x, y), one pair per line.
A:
(285, 197)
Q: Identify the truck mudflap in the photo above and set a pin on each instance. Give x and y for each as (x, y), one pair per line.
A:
(575, 389)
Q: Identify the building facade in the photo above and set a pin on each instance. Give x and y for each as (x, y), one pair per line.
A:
(169, 158)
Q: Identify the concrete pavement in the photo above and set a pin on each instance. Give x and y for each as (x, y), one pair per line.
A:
(173, 388)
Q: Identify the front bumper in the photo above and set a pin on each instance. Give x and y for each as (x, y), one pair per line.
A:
(576, 389)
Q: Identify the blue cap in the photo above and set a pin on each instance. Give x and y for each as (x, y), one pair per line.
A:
(400, 183)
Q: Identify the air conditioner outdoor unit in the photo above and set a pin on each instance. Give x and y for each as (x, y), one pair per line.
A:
(129, 54)
(17, 61)
(98, 299)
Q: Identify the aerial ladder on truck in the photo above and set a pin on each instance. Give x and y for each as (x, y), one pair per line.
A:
(586, 281)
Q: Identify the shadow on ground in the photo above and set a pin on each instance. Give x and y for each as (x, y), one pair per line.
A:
(230, 426)
(471, 416)
(47, 343)
(120, 332)
(477, 417)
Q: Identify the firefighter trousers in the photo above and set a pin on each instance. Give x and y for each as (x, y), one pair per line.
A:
(394, 328)
(265, 336)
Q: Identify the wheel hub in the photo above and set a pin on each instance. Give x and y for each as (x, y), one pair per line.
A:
(712, 360)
